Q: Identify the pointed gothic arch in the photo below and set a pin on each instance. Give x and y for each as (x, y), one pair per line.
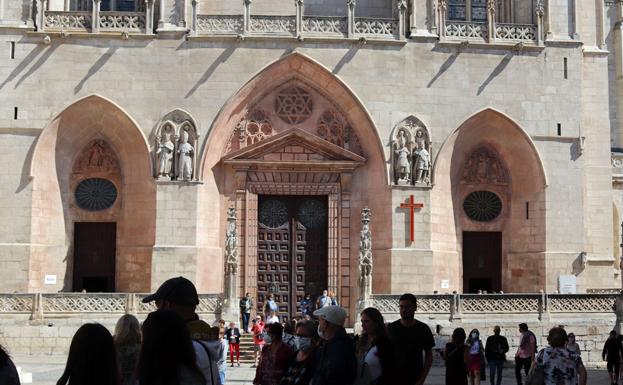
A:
(240, 182)
(91, 118)
(521, 222)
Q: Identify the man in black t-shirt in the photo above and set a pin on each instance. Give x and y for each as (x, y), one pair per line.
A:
(413, 344)
(495, 351)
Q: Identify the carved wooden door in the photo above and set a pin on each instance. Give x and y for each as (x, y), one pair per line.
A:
(292, 250)
(94, 256)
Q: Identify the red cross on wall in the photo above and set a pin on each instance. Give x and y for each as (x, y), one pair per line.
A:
(412, 206)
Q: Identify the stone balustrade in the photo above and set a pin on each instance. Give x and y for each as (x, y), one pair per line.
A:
(56, 305)
(456, 305)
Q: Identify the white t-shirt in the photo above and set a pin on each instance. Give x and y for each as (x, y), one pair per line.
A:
(272, 319)
(369, 369)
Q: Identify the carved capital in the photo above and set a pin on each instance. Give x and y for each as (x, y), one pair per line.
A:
(443, 5)
(491, 6)
(298, 3)
(351, 3)
(402, 5)
(539, 9)
(248, 2)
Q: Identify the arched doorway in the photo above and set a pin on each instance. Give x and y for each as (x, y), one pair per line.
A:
(295, 133)
(493, 175)
(92, 149)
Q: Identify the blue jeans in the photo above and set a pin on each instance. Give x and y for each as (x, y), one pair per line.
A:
(221, 374)
(495, 366)
(245, 321)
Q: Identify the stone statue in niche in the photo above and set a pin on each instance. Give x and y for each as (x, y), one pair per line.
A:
(185, 158)
(402, 159)
(365, 256)
(231, 243)
(165, 152)
(422, 164)
(97, 157)
(411, 151)
(483, 166)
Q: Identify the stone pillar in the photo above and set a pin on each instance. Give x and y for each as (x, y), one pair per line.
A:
(539, 11)
(402, 19)
(246, 19)
(601, 25)
(365, 262)
(95, 16)
(149, 17)
(161, 15)
(230, 311)
(491, 20)
(66, 5)
(617, 52)
(432, 14)
(442, 9)
(37, 307)
(40, 16)
(350, 4)
(182, 18)
(194, 22)
(299, 18)
(549, 34)
(412, 19)
(575, 33)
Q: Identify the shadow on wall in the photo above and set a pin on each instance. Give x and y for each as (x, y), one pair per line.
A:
(95, 67)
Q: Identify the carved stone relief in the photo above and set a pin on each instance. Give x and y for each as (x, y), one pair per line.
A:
(331, 127)
(411, 154)
(175, 155)
(294, 105)
(483, 166)
(98, 156)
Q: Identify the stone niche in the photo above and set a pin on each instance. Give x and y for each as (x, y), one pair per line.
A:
(175, 148)
(411, 154)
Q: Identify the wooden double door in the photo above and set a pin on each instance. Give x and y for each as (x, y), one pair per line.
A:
(292, 250)
(95, 247)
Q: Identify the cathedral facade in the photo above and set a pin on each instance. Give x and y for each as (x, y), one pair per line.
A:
(482, 135)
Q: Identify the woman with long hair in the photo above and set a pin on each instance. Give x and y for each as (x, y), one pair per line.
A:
(373, 350)
(474, 356)
(167, 355)
(454, 355)
(128, 344)
(8, 372)
(92, 359)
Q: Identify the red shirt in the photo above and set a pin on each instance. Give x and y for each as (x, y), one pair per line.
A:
(257, 329)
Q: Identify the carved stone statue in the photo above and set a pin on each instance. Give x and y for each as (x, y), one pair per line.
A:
(422, 164)
(98, 156)
(165, 156)
(365, 256)
(185, 158)
(231, 243)
(483, 166)
(402, 159)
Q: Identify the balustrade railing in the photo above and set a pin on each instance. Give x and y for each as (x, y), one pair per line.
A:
(325, 25)
(68, 20)
(466, 30)
(516, 32)
(220, 24)
(456, 304)
(366, 26)
(273, 24)
(122, 21)
(67, 304)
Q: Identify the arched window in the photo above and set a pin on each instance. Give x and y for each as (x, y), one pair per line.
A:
(476, 10)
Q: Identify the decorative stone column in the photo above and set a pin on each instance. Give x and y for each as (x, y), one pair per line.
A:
(149, 17)
(95, 16)
(194, 22)
(161, 15)
(491, 20)
(230, 311)
(299, 18)
(365, 265)
(442, 8)
(539, 11)
(350, 5)
(181, 22)
(575, 33)
(402, 19)
(40, 16)
(246, 19)
(601, 25)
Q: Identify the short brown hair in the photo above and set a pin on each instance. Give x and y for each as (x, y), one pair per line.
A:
(557, 337)
(408, 297)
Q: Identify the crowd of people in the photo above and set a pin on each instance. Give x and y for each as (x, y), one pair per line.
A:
(173, 346)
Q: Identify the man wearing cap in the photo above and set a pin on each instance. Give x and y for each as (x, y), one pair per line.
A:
(337, 364)
(180, 295)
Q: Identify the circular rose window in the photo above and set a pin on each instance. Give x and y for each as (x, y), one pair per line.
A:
(482, 206)
(95, 194)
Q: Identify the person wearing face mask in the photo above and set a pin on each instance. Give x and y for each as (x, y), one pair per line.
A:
(303, 365)
(474, 356)
(275, 357)
(323, 300)
(337, 363)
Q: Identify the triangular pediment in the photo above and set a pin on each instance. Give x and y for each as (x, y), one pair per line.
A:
(294, 148)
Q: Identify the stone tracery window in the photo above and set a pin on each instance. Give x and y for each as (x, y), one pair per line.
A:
(294, 105)
(254, 128)
(331, 127)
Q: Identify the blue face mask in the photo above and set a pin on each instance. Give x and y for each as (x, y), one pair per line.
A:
(303, 343)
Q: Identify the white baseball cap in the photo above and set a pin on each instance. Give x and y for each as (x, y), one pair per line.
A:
(332, 314)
